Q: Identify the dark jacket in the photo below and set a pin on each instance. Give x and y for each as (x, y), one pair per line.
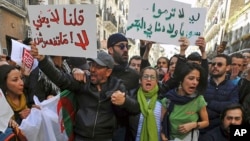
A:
(96, 117)
(244, 97)
(217, 134)
(218, 97)
(129, 76)
(39, 85)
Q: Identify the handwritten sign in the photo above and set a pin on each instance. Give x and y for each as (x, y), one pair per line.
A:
(196, 23)
(27, 59)
(20, 54)
(64, 30)
(164, 21)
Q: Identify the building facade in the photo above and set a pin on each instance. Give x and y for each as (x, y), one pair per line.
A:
(13, 17)
(226, 21)
(111, 16)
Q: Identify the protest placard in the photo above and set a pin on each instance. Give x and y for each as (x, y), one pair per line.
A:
(164, 21)
(22, 58)
(64, 30)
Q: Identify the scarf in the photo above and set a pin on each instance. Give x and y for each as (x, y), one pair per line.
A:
(17, 108)
(149, 127)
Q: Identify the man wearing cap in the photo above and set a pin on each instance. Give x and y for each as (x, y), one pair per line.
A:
(100, 99)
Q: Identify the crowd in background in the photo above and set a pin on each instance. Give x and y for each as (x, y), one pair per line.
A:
(184, 98)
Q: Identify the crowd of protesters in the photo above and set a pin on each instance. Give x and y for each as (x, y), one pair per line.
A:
(118, 99)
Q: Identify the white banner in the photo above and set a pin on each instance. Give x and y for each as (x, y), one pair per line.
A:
(64, 30)
(6, 112)
(164, 21)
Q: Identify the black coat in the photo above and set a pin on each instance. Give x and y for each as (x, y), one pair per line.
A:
(96, 117)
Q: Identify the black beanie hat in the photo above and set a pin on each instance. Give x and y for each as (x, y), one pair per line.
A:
(115, 38)
(4, 71)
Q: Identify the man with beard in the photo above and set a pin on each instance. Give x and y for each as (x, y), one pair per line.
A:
(100, 99)
(220, 92)
(118, 48)
(231, 115)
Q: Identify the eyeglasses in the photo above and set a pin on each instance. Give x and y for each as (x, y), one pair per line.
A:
(247, 57)
(148, 77)
(236, 64)
(122, 46)
(219, 64)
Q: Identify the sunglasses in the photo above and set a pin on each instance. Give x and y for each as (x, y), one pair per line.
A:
(122, 46)
(218, 64)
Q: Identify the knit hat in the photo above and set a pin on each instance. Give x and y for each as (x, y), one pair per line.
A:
(4, 71)
(103, 59)
(116, 38)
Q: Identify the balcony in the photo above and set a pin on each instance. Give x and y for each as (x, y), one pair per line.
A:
(213, 9)
(110, 22)
(212, 32)
(15, 6)
(18, 3)
(121, 30)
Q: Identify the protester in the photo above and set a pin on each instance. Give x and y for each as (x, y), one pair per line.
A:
(246, 56)
(244, 94)
(231, 115)
(135, 63)
(162, 62)
(12, 86)
(197, 58)
(162, 67)
(175, 66)
(220, 91)
(38, 84)
(146, 125)
(118, 48)
(236, 67)
(194, 57)
(186, 106)
(100, 99)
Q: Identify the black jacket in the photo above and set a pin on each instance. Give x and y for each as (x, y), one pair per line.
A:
(244, 97)
(96, 116)
(217, 134)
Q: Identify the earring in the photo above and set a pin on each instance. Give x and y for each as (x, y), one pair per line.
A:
(180, 87)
